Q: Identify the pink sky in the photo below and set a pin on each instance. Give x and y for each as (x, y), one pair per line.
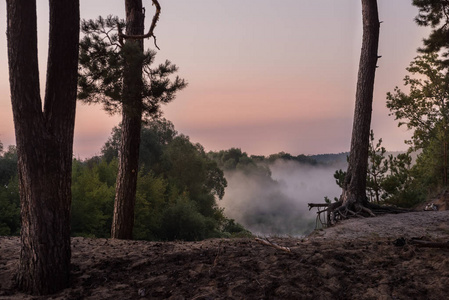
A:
(265, 76)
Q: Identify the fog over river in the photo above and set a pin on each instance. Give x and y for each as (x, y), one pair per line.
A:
(278, 205)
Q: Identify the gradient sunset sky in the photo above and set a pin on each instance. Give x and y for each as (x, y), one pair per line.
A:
(264, 75)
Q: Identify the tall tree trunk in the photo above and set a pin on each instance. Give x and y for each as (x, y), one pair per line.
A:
(354, 187)
(125, 195)
(44, 140)
(355, 181)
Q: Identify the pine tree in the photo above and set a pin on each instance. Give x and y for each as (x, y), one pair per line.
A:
(353, 198)
(44, 140)
(434, 13)
(117, 73)
(377, 168)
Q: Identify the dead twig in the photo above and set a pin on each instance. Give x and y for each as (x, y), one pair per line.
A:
(218, 254)
(274, 245)
(150, 31)
(216, 258)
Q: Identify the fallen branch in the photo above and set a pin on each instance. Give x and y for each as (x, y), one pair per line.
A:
(271, 244)
(311, 205)
(429, 244)
(322, 208)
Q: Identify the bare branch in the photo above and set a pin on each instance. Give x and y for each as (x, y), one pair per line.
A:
(150, 31)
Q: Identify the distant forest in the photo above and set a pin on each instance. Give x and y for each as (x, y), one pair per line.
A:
(179, 186)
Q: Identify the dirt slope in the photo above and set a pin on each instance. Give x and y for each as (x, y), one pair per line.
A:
(357, 259)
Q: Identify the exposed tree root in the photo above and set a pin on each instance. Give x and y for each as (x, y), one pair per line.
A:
(379, 210)
(367, 210)
(339, 211)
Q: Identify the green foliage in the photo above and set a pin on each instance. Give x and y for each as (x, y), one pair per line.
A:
(9, 193)
(331, 159)
(102, 62)
(151, 203)
(10, 207)
(178, 197)
(401, 187)
(153, 143)
(8, 165)
(390, 180)
(328, 201)
(425, 110)
(234, 230)
(93, 194)
(183, 221)
(111, 148)
(190, 167)
(287, 156)
(339, 176)
(434, 13)
(177, 188)
(257, 166)
(234, 159)
(377, 169)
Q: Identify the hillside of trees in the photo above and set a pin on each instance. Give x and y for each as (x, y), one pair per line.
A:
(180, 186)
(177, 192)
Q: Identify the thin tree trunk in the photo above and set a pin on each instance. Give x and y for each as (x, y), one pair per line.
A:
(354, 190)
(44, 140)
(125, 196)
(445, 167)
(377, 190)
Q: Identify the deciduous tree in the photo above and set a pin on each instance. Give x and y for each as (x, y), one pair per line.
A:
(424, 109)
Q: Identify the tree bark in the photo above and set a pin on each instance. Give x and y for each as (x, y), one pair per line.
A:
(125, 196)
(354, 188)
(44, 140)
(445, 124)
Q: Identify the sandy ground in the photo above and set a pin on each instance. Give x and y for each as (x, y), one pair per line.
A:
(356, 259)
